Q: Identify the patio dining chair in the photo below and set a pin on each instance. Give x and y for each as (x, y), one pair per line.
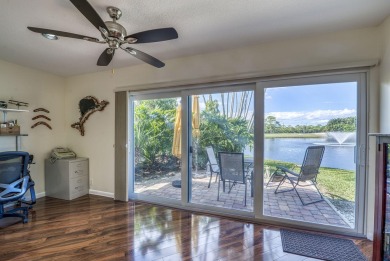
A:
(232, 170)
(213, 164)
(308, 173)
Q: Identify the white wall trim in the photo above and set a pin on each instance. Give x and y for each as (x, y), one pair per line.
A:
(101, 193)
(40, 195)
(239, 78)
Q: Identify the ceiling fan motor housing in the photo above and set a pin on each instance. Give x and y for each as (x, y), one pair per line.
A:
(116, 30)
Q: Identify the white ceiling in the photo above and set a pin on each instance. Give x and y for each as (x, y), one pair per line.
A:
(203, 26)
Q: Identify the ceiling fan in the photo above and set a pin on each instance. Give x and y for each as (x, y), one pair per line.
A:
(114, 34)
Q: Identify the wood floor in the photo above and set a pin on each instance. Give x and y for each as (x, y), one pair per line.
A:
(97, 228)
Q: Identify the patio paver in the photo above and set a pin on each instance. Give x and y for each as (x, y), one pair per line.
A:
(282, 205)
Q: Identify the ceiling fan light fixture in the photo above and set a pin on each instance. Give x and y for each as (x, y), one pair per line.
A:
(50, 36)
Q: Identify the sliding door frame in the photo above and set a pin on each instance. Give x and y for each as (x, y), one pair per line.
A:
(187, 129)
(361, 142)
(258, 85)
(131, 169)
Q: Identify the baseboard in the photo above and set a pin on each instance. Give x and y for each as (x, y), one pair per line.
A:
(101, 193)
(27, 197)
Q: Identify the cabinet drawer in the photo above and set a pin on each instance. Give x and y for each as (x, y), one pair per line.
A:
(78, 169)
(78, 184)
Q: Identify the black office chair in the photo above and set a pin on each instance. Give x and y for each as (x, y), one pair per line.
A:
(14, 183)
(31, 185)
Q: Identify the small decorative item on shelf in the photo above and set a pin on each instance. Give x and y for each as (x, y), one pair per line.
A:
(18, 103)
(88, 105)
(3, 104)
(9, 128)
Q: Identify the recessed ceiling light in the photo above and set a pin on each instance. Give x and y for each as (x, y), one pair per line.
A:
(50, 36)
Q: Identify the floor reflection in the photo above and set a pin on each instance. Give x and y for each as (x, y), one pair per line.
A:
(97, 228)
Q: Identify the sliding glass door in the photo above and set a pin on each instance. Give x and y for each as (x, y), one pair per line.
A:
(222, 148)
(287, 151)
(313, 153)
(156, 164)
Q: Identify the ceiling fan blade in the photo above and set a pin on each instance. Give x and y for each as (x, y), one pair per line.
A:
(106, 57)
(145, 57)
(63, 34)
(156, 35)
(87, 10)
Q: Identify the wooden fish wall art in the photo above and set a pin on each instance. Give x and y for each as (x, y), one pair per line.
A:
(87, 106)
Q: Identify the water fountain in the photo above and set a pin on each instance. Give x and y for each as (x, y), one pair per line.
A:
(341, 138)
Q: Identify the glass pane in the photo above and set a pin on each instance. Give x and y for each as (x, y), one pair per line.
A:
(157, 148)
(300, 182)
(222, 142)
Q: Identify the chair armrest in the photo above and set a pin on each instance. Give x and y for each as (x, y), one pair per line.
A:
(284, 169)
(11, 188)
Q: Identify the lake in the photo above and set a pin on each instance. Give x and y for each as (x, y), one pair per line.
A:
(293, 150)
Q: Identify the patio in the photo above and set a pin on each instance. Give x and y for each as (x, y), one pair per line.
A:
(283, 205)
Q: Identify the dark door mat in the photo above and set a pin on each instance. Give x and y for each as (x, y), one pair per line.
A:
(319, 246)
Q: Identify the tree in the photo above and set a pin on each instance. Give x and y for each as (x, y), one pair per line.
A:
(224, 134)
(342, 124)
(153, 132)
(271, 125)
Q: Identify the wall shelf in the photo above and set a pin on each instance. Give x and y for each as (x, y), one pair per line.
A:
(12, 110)
(5, 111)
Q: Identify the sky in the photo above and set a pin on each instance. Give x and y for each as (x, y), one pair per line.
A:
(307, 104)
(311, 104)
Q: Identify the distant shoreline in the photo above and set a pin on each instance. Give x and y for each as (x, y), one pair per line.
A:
(294, 135)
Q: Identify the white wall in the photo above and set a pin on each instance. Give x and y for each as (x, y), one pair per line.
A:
(98, 142)
(335, 48)
(39, 89)
(385, 78)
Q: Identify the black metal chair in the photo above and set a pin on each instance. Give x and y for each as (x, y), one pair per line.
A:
(308, 172)
(231, 166)
(14, 183)
(213, 164)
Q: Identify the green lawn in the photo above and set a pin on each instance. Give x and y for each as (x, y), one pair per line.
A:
(334, 183)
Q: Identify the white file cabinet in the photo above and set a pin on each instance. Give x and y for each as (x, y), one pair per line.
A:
(67, 178)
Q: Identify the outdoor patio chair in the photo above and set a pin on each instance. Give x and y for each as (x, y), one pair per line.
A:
(308, 172)
(212, 161)
(232, 170)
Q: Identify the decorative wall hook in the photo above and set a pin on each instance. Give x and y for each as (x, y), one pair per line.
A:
(41, 109)
(41, 116)
(88, 105)
(41, 123)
